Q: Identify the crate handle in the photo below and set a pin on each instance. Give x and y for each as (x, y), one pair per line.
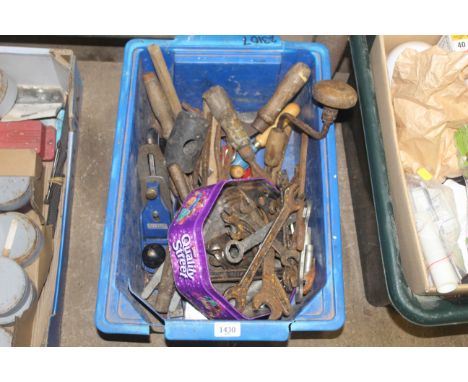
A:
(246, 41)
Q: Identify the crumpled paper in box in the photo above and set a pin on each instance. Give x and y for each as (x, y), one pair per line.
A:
(430, 99)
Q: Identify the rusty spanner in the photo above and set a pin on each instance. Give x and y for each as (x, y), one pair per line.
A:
(257, 224)
(272, 293)
(302, 220)
(238, 293)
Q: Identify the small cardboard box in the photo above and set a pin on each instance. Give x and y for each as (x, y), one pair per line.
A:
(412, 258)
(24, 162)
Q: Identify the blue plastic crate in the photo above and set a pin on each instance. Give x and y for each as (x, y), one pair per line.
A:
(249, 68)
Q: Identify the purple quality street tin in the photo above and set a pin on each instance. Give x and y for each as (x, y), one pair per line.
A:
(188, 254)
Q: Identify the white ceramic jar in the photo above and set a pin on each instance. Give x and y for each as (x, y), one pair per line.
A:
(16, 291)
(15, 192)
(8, 93)
(22, 238)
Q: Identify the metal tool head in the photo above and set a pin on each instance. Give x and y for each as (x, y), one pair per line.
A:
(306, 259)
(234, 252)
(186, 140)
(334, 94)
(152, 168)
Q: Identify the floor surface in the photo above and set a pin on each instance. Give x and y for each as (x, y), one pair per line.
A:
(365, 325)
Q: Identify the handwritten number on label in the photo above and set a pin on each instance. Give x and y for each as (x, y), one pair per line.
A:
(222, 329)
(255, 40)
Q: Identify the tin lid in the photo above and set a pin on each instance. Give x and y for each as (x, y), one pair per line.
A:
(5, 338)
(20, 236)
(8, 93)
(15, 192)
(13, 285)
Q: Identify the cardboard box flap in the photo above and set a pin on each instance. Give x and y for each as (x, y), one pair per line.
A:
(20, 162)
(24, 326)
(393, 41)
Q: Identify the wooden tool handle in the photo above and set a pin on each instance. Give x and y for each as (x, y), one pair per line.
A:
(223, 110)
(293, 108)
(289, 86)
(165, 78)
(159, 103)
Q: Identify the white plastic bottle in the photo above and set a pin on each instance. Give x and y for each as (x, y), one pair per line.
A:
(431, 234)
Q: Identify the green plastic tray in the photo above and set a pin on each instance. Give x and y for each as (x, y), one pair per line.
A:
(421, 310)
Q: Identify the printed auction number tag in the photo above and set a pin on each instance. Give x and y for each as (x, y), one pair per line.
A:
(256, 40)
(227, 329)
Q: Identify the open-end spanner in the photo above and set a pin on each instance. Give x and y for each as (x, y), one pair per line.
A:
(272, 293)
(241, 228)
(255, 221)
(235, 249)
(238, 293)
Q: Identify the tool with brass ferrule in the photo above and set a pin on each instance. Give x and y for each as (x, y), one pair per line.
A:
(223, 110)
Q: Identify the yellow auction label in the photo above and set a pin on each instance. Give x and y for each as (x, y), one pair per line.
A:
(459, 37)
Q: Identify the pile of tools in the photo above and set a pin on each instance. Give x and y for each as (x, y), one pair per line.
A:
(259, 249)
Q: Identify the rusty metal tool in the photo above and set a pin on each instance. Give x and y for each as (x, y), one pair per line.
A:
(276, 174)
(248, 218)
(166, 287)
(299, 232)
(239, 227)
(272, 293)
(293, 81)
(222, 109)
(165, 78)
(234, 250)
(230, 275)
(290, 276)
(334, 96)
(277, 139)
(159, 103)
(238, 292)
